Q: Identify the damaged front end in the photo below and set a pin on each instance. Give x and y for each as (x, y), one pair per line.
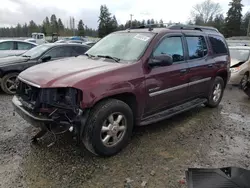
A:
(57, 110)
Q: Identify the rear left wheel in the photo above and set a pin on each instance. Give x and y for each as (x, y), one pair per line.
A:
(216, 93)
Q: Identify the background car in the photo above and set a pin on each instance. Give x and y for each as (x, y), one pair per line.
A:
(240, 65)
(89, 43)
(10, 67)
(14, 47)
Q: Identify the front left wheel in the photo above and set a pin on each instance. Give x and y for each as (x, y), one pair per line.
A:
(108, 128)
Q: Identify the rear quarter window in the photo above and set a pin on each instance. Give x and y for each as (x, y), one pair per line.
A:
(218, 44)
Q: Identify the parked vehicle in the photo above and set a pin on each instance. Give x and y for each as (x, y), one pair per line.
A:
(131, 77)
(90, 43)
(10, 67)
(14, 47)
(38, 38)
(240, 65)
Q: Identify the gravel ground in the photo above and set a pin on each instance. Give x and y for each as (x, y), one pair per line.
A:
(157, 155)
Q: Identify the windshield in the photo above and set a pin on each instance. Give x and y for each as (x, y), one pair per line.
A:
(36, 51)
(240, 54)
(124, 46)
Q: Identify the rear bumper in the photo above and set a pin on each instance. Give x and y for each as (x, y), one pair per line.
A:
(34, 120)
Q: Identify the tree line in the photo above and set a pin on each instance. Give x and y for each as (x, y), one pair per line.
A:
(206, 13)
(48, 27)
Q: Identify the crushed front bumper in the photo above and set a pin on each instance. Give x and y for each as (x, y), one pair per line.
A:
(34, 120)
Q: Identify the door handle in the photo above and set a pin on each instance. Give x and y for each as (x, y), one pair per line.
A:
(183, 71)
(210, 65)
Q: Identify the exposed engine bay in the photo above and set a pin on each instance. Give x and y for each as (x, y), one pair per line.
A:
(59, 106)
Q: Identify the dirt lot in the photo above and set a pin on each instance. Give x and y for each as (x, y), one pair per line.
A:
(157, 155)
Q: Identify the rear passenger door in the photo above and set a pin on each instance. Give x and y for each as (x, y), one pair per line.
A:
(201, 66)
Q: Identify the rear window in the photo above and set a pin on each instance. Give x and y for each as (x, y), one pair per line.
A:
(218, 45)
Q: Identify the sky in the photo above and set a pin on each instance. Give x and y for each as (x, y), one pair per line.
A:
(21, 11)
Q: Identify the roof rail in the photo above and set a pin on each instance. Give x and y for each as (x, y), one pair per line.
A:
(192, 27)
(177, 26)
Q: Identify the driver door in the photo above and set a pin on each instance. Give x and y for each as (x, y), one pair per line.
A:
(167, 85)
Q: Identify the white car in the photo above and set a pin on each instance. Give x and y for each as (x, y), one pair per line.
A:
(14, 47)
(240, 65)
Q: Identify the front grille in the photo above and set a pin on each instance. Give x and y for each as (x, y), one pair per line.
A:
(28, 94)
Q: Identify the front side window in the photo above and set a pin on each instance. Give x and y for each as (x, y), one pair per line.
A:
(24, 46)
(37, 51)
(171, 46)
(59, 52)
(197, 47)
(127, 46)
(8, 45)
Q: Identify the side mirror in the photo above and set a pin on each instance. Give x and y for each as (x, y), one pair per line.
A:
(46, 58)
(161, 60)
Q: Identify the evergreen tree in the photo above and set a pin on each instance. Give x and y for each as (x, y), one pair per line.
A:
(143, 22)
(161, 23)
(233, 19)
(60, 26)
(81, 31)
(219, 22)
(114, 24)
(245, 26)
(105, 22)
(54, 24)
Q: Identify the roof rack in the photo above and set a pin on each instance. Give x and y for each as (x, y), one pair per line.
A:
(192, 27)
(177, 27)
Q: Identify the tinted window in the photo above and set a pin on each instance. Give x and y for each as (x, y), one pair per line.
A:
(6, 45)
(218, 45)
(78, 50)
(60, 52)
(197, 47)
(171, 46)
(24, 46)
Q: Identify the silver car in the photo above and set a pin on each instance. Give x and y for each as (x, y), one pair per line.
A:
(14, 47)
(240, 65)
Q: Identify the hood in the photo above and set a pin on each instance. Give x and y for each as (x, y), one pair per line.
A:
(12, 60)
(234, 62)
(67, 72)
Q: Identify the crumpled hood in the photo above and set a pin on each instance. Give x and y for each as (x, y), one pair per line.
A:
(234, 61)
(66, 72)
(12, 60)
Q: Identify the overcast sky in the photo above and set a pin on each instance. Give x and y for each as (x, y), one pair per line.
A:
(21, 11)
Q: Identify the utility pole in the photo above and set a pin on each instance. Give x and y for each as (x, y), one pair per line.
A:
(131, 17)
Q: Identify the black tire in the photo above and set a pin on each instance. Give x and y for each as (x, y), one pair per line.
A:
(211, 102)
(98, 115)
(242, 82)
(5, 85)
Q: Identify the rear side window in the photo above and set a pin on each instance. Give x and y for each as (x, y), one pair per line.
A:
(58, 52)
(24, 46)
(79, 50)
(218, 44)
(197, 47)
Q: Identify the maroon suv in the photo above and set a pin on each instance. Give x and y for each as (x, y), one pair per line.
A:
(131, 77)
